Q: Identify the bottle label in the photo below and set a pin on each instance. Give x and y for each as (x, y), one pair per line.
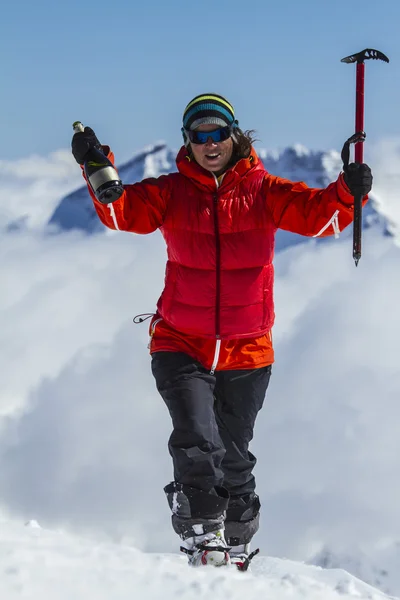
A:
(102, 176)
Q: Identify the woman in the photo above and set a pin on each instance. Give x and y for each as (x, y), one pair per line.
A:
(211, 341)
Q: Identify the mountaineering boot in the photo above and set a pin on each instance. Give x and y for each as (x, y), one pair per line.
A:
(241, 524)
(241, 556)
(208, 549)
(198, 518)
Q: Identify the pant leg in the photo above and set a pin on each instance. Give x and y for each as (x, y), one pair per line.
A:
(195, 496)
(239, 397)
(195, 443)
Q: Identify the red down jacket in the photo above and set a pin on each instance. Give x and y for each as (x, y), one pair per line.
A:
(220, 244)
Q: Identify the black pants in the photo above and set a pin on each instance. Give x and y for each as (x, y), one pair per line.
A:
(213, 418)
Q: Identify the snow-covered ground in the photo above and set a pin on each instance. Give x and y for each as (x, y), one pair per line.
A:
(83, 432)
(36, 564)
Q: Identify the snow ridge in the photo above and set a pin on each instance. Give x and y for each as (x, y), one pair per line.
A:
(37, 563)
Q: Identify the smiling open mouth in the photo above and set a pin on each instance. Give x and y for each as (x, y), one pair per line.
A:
(213, 156)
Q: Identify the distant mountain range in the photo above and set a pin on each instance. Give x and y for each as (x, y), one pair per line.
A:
(317, 169)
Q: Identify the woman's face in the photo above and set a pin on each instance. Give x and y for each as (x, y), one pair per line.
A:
(213, 156)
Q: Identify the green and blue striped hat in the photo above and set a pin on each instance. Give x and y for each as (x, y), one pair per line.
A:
(208, 109)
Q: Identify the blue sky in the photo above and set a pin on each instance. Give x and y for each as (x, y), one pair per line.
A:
(128, 69)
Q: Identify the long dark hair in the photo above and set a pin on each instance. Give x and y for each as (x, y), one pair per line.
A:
(242, 142)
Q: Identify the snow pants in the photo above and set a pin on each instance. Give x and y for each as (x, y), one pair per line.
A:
(213, 417)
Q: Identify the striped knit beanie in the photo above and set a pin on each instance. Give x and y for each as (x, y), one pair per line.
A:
(208, 109)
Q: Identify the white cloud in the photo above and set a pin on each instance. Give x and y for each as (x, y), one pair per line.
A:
(384, 157)
(32, 187)
(331, 433)
(62, 293)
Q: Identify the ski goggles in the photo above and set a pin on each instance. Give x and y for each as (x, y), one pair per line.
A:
(218, 135)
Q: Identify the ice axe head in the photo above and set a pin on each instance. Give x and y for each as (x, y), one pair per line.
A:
(360, 57)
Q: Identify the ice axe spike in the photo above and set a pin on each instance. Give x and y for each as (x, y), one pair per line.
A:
(359, 58)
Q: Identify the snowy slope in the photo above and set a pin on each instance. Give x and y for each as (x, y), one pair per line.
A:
(297, 163)
(36, 564)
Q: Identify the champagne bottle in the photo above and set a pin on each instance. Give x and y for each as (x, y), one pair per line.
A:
(100, 173)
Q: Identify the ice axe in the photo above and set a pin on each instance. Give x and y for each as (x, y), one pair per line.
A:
(358, 138)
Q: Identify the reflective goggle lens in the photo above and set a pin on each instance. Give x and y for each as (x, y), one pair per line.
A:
(218, 135)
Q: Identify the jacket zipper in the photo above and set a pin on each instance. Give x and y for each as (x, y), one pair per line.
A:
(217, 274)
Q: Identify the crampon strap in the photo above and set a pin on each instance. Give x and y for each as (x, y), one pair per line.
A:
(246, 563)
(203, 547)
(242, 566)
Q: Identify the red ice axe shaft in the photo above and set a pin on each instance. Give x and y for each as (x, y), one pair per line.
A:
(359, 136)
(359, 146)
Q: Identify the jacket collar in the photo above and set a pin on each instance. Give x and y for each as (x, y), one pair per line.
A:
(205, 180)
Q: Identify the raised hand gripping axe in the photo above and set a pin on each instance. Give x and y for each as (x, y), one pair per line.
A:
(358, 138)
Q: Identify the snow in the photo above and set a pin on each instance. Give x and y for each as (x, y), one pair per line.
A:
(37, 563)
(83, 431)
